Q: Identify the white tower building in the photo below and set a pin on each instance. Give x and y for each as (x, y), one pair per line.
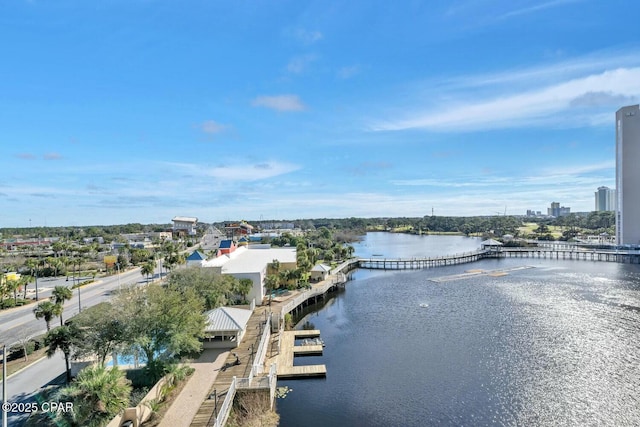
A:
(628, 175)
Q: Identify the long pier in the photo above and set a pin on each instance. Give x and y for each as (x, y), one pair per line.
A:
(543, 252)
(420, 263)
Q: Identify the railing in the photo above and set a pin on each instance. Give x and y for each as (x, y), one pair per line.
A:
(478, 252)
(225, 408)
(258, 360)
(273, 382)
(319, 290)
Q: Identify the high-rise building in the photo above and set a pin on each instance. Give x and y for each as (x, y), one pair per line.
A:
(605, 199)
(557, 210)
(628, 175)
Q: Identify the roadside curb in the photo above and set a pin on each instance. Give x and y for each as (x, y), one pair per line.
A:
(27, 367)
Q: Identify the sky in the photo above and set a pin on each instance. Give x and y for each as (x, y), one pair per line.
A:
(116, 112)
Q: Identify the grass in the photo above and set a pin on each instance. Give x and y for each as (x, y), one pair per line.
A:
(529, 227)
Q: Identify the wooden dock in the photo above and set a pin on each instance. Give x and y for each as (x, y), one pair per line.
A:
(208, 409)
(288, 349)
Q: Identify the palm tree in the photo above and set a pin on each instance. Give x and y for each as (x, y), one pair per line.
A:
(12, 286)
(271, 282)
(61, 294)
(47, 310)
(98, 394)
(147, 269)
(62, 338)
(24, 281)
(4, 290)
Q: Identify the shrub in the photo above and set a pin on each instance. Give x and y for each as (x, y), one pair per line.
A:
(137, 395)
(8, 303)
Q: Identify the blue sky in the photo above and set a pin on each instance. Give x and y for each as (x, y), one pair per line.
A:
(136, 111)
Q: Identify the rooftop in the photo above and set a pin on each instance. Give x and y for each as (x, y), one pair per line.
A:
(227, 319)
(255, 260)
(184, 219)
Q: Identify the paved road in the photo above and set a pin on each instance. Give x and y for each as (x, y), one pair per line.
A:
(20, 321)
(25, 385)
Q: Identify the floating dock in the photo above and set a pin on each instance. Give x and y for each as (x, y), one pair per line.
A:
(288, 349)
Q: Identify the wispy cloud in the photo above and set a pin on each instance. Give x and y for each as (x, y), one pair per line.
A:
(305, 36)
(369, 168)
(534, 8)
(211, 127)
(26, 156)
(567, 181)
(238, 172)
(548, 105)
(279, 102)
(300, 63)
(52, 156)
(470, 14)
(600, 99)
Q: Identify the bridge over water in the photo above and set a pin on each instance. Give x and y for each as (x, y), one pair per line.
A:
(543, 252)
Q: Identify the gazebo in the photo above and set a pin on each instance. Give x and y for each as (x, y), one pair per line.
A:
(225, 327)
(320, 272)
(491, 245)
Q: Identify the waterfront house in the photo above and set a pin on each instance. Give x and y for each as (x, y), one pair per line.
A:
(320, 272)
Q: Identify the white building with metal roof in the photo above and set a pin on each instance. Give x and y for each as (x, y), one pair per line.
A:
(251, 263)
(225, 327)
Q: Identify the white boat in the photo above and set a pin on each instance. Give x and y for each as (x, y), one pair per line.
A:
(424, 305)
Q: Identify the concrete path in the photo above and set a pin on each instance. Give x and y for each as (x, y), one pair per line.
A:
(186, 405)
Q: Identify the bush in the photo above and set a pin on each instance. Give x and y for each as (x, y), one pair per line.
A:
(38, 343)
(8, 303)
(137, 395)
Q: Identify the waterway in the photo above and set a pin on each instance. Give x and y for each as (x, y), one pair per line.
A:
(556, 344)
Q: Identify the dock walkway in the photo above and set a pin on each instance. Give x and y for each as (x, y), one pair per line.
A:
(245, 352)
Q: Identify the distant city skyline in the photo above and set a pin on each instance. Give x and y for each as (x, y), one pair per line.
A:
(138, 111)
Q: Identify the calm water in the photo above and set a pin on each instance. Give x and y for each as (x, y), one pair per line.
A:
(557, 344)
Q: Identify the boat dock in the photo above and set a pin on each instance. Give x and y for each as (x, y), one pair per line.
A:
(288, 350)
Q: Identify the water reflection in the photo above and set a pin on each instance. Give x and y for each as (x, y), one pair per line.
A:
(552, 345)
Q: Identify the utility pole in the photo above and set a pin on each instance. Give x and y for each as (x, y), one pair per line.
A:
(4, 384)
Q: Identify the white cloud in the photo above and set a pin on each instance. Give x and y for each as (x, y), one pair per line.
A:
(307, 36)
(299, 64)
(237, 172)
(211, 127)
(279, 102)
(535, 8)
(549, 105)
